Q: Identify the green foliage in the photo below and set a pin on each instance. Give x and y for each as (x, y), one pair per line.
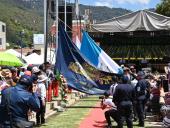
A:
(100, 13)
(18, 18)
(28, 15)
(164, 8)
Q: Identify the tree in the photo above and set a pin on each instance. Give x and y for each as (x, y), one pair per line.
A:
(164, 7)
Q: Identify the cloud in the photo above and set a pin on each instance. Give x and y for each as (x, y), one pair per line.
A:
(108, 3)
(144, 2)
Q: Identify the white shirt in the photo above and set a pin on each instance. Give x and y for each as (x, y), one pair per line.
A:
(110, 103)
(134, 82)
(113, 88)
(41, 90)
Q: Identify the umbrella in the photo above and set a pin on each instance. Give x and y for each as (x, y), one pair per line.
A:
(7, 59)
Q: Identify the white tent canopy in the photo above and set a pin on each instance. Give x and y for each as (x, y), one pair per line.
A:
(15, 53)
(140, 20)
(34, 59)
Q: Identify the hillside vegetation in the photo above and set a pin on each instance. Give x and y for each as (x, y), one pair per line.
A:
(27, 15)
(18, 18)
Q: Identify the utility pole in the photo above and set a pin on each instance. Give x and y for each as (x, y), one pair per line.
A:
(56, 26)
(65, 14)
(45, 29)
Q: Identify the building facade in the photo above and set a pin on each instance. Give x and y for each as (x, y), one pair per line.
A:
(2, 36)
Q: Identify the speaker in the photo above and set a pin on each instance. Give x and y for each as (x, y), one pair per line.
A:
(69, 18)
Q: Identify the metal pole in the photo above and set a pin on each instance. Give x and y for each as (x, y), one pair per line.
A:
(56, 25)
(45, 30)
(21, 45)
(65, 14)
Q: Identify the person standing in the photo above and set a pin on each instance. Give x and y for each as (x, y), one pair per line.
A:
(123, 98)
(142, 95)
(20, 102)
(114, 85)
(41, 91)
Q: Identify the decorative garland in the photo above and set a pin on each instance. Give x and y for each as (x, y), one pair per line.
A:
(63, 87)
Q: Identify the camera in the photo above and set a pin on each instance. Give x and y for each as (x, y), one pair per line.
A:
(101, 97)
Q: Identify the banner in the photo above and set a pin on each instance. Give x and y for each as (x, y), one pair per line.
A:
(80, 75)
(97, 56)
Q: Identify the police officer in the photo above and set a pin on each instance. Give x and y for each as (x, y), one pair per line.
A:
(123, 98)
(20, 101)
(142, 95)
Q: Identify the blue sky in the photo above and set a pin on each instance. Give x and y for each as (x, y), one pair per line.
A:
(128, 4)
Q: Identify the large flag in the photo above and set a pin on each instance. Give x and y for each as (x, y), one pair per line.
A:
(79, 74)
(97, 56)
(78, 44)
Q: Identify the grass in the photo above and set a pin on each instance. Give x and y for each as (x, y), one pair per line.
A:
(72, 117)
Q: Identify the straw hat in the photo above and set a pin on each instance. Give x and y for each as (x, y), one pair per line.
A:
(35, 70)
(42, 78)
(5, 73)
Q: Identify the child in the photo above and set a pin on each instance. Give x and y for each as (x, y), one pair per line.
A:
(41, 91)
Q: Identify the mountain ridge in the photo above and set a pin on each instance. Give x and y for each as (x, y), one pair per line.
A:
(28, 15)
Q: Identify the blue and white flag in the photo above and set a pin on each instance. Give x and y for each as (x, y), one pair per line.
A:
(80, 75)
(97, 56)
(78, 44)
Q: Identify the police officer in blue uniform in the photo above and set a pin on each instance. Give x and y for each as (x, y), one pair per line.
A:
(20, 101)
(123, 98)
(142, 95)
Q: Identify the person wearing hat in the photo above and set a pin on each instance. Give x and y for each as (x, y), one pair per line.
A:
(7, 75)
(123, 98)
(20, 101)
(36, 71)
(142, 91)
(41, 91)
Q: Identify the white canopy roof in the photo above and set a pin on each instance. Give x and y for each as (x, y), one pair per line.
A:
(34, 59)
(15, 53)
(140, 20)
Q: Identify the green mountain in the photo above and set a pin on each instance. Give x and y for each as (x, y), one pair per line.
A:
(27, 15)
(18, 18)
(100, 13)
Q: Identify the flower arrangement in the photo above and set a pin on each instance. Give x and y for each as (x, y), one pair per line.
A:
(63, 87)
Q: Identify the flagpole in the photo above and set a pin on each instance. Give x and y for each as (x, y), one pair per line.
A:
(56, 25)
(45, 30)
(65, 14)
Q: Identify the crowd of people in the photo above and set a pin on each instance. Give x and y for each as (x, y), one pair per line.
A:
(133, 95)
(23, 91)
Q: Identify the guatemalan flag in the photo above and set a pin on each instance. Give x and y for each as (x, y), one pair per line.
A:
(78, 44)
(97, 56)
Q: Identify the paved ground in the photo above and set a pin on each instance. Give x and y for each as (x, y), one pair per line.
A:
(87, 114)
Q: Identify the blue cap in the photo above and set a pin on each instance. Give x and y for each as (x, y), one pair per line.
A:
(26, 80)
